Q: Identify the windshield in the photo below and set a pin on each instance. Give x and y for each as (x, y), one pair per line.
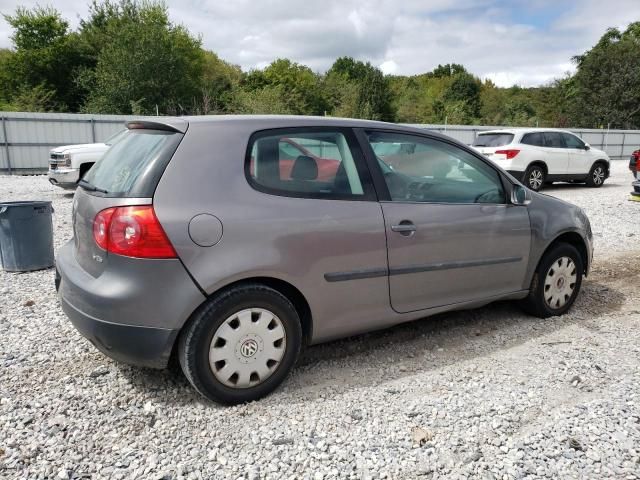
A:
(493, 139)
(133, 166)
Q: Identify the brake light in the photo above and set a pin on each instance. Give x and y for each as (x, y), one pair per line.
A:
(132, 231)
(509, 153)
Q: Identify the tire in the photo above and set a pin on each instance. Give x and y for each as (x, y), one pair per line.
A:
(534, 177)
(597, 175)
(551, 293)
(241, 315)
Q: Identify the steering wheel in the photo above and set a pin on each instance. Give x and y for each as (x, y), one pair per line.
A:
(487, 197)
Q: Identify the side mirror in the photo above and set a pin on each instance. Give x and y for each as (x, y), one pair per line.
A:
(587, 146)
(520, 195)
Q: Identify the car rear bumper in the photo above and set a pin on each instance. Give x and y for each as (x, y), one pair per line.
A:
(64, 177)
(142, 346)
(133, 311)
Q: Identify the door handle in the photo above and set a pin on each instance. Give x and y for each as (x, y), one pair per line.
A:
(405, 228)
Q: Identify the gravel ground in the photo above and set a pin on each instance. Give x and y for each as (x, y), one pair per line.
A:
(488, 393)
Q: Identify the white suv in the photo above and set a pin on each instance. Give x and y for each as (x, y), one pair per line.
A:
(536, 156)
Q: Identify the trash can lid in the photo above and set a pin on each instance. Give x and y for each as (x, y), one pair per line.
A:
(25, 203)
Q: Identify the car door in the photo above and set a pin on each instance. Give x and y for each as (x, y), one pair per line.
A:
(557, 158)
(451, 235)
(579, 157)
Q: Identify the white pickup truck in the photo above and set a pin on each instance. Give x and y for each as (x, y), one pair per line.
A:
(69, 163)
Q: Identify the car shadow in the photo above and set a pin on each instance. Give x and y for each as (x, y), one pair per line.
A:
(577, 186)
(382, 357)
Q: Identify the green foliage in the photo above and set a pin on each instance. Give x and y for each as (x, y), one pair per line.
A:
(359, 90)
(265, 100)
(448, 70)
(45, 59)
(148, 63)
(607, 82)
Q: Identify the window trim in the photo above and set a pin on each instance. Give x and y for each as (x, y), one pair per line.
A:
(369, 192)
(381, 185)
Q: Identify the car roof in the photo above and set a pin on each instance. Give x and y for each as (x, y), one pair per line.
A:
(263, 122)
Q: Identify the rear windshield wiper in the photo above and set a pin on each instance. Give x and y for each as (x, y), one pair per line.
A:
(90, 187)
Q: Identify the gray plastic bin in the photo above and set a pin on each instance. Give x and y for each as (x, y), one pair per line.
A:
(26, 236)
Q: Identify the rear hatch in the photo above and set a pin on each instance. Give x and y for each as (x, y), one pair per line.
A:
(490, 144)
(127, 175)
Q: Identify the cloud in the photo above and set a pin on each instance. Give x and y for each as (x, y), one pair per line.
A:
(525, 43)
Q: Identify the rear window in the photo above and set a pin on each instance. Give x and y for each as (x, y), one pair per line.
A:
(132, 167)
(493, 139)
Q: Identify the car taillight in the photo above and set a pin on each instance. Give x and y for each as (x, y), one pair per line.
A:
(132, 232)
(509, 153)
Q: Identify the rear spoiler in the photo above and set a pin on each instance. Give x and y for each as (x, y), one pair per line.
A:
(170, 124)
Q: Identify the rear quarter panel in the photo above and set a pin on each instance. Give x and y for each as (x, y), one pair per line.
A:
(292, 239)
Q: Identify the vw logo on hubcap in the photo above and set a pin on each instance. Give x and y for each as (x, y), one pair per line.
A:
(249, 348)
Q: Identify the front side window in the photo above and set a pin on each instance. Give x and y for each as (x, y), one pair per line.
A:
(418, 169)
(315, 164)
(572, 141)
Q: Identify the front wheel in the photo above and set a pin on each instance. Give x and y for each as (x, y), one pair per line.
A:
(556, 282)
(534, 177)
(240, 346)
(597, 174)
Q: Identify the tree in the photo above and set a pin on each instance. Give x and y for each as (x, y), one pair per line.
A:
(148, 62)
(607, 81)
(45, 59)
(219, 81)
(464, 91)
(448, 70)
(366, 90)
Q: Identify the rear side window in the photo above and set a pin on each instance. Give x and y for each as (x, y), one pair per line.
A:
(554, 140)
(314, 163)
(536, 139)
(493, 139)
(132, 167)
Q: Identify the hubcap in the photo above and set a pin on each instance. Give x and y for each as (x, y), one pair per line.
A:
(560, 283)
(598, 175)
(247, 348)
(535, 179)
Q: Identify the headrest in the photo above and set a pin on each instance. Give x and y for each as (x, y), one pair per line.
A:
(304, 168)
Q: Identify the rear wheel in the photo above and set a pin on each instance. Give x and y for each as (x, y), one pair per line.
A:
(597, 174)
(534, 177)
(241, 345)
(556, 282)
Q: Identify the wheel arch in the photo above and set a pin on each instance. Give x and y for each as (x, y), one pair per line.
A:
(293, 294)
(574, 239)
(538, 163)
(604, 162)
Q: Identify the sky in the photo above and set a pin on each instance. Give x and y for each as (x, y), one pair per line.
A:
(516, 42)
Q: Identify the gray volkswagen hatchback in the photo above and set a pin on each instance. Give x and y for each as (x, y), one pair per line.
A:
(231, 242)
